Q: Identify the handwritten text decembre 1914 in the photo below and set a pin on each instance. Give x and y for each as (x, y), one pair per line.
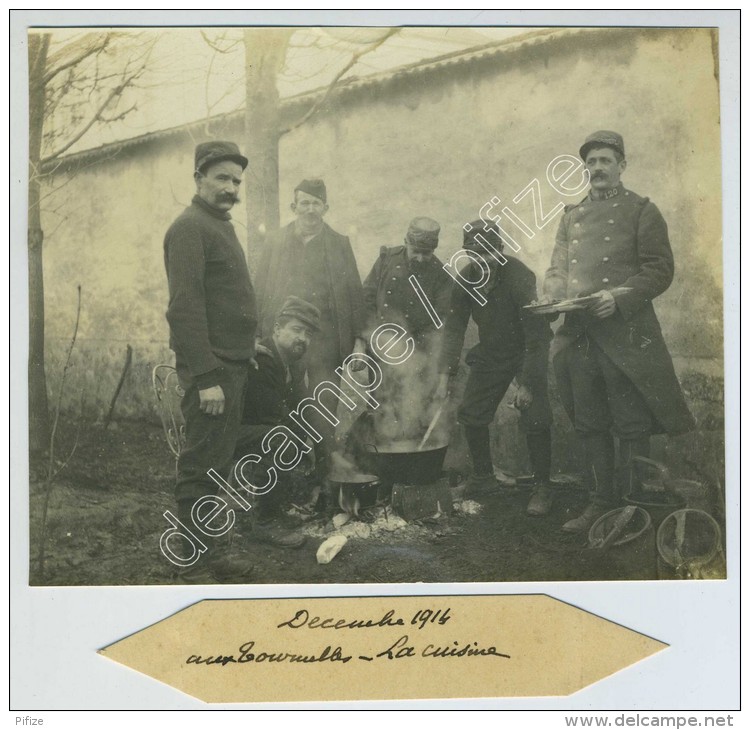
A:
(402, 648)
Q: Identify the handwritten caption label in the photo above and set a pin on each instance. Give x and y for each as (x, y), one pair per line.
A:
(397, 647)
(402, 648)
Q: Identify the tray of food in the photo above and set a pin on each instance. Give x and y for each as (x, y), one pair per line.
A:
(556, 306)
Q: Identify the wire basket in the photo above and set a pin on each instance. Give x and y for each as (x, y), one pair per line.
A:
(689, 540)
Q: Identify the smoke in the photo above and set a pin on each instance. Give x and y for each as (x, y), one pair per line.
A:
(406, 407)
(407, 402)
(342, 469)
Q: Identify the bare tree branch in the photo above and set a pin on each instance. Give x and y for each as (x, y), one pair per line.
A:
(352, 62)
(97, 117)
(208, 78)
(215, 44)
(120, 116)
(82, 56)
(86, 81)
(211, 105)
(115, 93)
(231, 89)
(51, 471)
(313, 43)
(77, 436)
(50, 173)
(55, 88)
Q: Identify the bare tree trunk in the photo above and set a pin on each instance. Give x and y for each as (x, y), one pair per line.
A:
(265, 51)
(39, 427)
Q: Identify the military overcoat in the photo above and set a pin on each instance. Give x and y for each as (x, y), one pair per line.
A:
(344, 287)
(621, 244)
(390, 296)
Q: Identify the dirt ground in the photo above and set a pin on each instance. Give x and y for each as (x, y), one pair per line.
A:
(106, 508)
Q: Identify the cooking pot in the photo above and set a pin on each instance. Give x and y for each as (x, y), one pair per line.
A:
(353, 490)
(405, 463)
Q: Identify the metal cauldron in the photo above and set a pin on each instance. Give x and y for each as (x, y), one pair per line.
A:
(349, 487)
(405, 463)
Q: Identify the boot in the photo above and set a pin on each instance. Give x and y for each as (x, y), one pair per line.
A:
(583, 522)
(599, 458)
(628, 481)
(216, 565)
(478, 484)
(265, 527)
(539, 445)
(478, 440)
(541, 502)
(599, 461)
(482, 480)
(278, 537)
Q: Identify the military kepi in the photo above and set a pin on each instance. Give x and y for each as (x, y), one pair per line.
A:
(603, 138)
(423, 233)
(301, 310)
(489, 231)
(313, 186)
(218, 151)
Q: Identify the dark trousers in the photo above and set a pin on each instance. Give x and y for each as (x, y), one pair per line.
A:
(606, 404)
(209, 440)
(485, 389)
(323, 357)
(605, 399)
(249, 441)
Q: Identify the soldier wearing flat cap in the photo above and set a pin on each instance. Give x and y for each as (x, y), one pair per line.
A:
(614, 372)
(274, 390)
(308, 259)
(212, 322)
(513, 344)
(392, 295)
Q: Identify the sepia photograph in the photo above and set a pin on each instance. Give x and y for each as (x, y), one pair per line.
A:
(375, 305)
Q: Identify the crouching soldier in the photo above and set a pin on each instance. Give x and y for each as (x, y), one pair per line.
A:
(512, 344)
(274, 390)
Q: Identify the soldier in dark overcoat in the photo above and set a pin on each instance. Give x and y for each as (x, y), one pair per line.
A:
(614, 372)
(308, 259)
(407, 286)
